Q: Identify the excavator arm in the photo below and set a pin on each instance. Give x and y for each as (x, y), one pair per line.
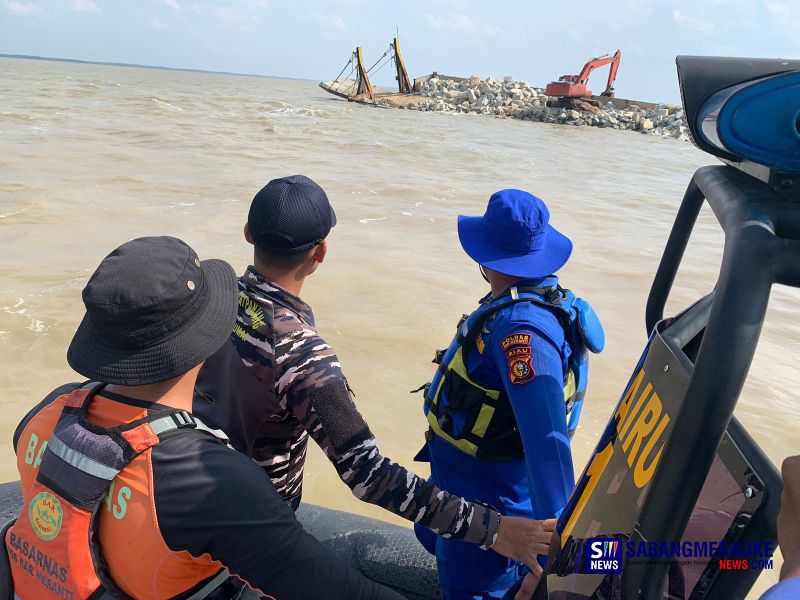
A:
(612, 74)
(574, 86)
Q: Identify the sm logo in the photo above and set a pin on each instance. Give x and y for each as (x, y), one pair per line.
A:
(603, 555)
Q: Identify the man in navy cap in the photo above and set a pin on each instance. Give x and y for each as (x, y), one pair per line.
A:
(278, 382)
(508, 391)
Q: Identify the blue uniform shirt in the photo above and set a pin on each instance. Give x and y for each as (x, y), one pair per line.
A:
(522, 350)
(788, 589)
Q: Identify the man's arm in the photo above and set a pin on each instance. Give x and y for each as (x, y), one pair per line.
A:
(311, 385)
(211, 499)
(532, 374)
(789, 533)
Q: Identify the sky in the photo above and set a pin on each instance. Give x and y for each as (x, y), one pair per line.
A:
(530, 40)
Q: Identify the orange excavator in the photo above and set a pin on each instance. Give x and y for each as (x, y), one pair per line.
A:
(574, 86)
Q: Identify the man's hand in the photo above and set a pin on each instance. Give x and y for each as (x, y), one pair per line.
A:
(522, 539)
(529, 584)
(788, 518)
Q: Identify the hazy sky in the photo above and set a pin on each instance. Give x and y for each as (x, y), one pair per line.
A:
(532, 40)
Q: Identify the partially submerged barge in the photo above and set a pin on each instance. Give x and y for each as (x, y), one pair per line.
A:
(354, 85)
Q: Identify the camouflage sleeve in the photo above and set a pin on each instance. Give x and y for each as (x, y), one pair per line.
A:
(310, 383)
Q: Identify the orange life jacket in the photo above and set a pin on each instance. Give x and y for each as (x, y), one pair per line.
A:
(69, 468)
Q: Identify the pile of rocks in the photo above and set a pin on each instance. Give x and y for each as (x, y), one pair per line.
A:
(517, 99)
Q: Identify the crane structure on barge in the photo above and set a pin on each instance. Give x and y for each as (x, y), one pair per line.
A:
(353, 82)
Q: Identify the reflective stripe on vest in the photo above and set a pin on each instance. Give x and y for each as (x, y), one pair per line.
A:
(53, 543)
(489, 430)
(80, 461)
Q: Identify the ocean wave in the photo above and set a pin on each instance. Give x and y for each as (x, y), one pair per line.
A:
(164, 104)
(34, 324)
(303, 112)
(77, 92)
(15, 117)
(285, 108)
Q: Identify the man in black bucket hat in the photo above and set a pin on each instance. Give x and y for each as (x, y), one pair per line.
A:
(125, 492)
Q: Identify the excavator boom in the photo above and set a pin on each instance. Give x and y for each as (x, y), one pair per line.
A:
(574, 86)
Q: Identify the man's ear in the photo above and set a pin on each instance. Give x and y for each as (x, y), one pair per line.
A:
(247, 235)
(320, 251)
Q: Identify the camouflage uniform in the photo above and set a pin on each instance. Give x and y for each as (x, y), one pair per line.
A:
(281, 383)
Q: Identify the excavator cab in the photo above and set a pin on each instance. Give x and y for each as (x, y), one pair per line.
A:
(678, 501)
(574, 86)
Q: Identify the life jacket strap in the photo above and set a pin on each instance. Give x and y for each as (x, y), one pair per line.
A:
(211, 585)
(489, 431)
(80, 461)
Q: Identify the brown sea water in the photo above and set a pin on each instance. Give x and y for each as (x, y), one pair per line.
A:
(92, 156)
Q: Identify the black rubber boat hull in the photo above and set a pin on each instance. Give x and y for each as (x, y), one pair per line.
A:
(386, 553)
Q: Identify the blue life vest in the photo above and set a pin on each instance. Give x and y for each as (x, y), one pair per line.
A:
(490, 431)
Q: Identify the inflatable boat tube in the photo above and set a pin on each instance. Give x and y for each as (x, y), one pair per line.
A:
(386, 553)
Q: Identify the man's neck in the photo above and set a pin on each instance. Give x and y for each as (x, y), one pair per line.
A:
(291, 282)
(175, 393)
(501, 282)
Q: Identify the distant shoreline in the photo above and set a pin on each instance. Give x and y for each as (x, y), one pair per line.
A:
(138, 66)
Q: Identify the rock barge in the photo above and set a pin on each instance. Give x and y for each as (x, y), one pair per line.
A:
(504, 97)
(520, 100)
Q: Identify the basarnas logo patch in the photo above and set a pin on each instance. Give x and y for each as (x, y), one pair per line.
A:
(603, 555)
(45, 515)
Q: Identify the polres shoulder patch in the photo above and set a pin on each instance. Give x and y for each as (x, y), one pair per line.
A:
(517, 348)
(515, 339)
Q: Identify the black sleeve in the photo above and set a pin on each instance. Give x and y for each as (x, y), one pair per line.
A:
(211, 499)
(67, 388)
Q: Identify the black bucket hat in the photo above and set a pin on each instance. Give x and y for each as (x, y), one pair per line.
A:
(153, 312)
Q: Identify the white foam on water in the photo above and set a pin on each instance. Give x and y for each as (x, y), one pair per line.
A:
(37, 326)
(164, 104)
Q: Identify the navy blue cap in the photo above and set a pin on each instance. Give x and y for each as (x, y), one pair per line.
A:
(290, 215)
(514, 236)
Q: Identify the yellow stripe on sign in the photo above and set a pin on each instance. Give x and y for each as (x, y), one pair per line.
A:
(632, 413)
(625, 405)
(642, 474)
(594, 471)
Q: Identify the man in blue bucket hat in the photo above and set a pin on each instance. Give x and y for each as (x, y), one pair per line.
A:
(507, 394)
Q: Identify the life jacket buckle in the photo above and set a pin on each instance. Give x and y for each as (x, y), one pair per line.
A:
(554, 295)
(184, 419)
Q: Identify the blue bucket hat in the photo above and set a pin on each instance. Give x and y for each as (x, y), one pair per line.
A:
(514, 236)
